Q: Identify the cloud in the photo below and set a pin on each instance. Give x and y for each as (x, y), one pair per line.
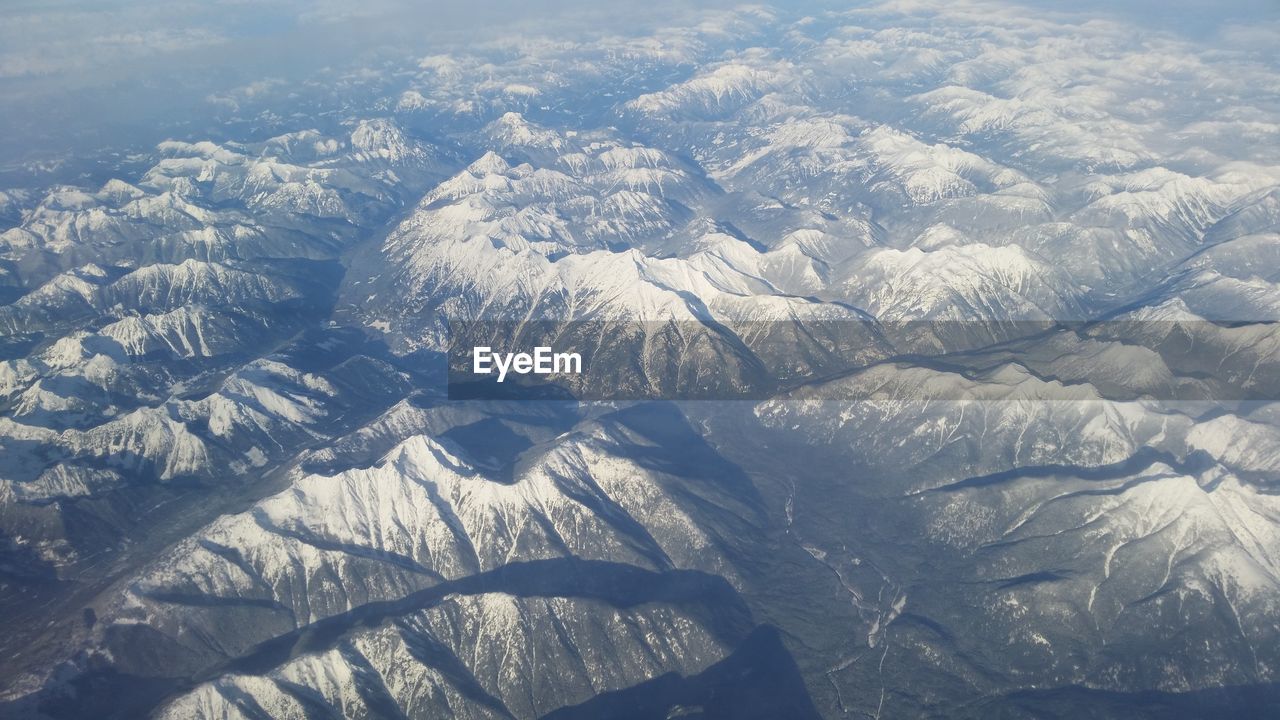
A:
(64, 38)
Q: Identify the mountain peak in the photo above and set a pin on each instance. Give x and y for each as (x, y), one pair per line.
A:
(383, 139)
(491, 163)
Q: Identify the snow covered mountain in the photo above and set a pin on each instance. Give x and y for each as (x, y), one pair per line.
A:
(932, 369)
